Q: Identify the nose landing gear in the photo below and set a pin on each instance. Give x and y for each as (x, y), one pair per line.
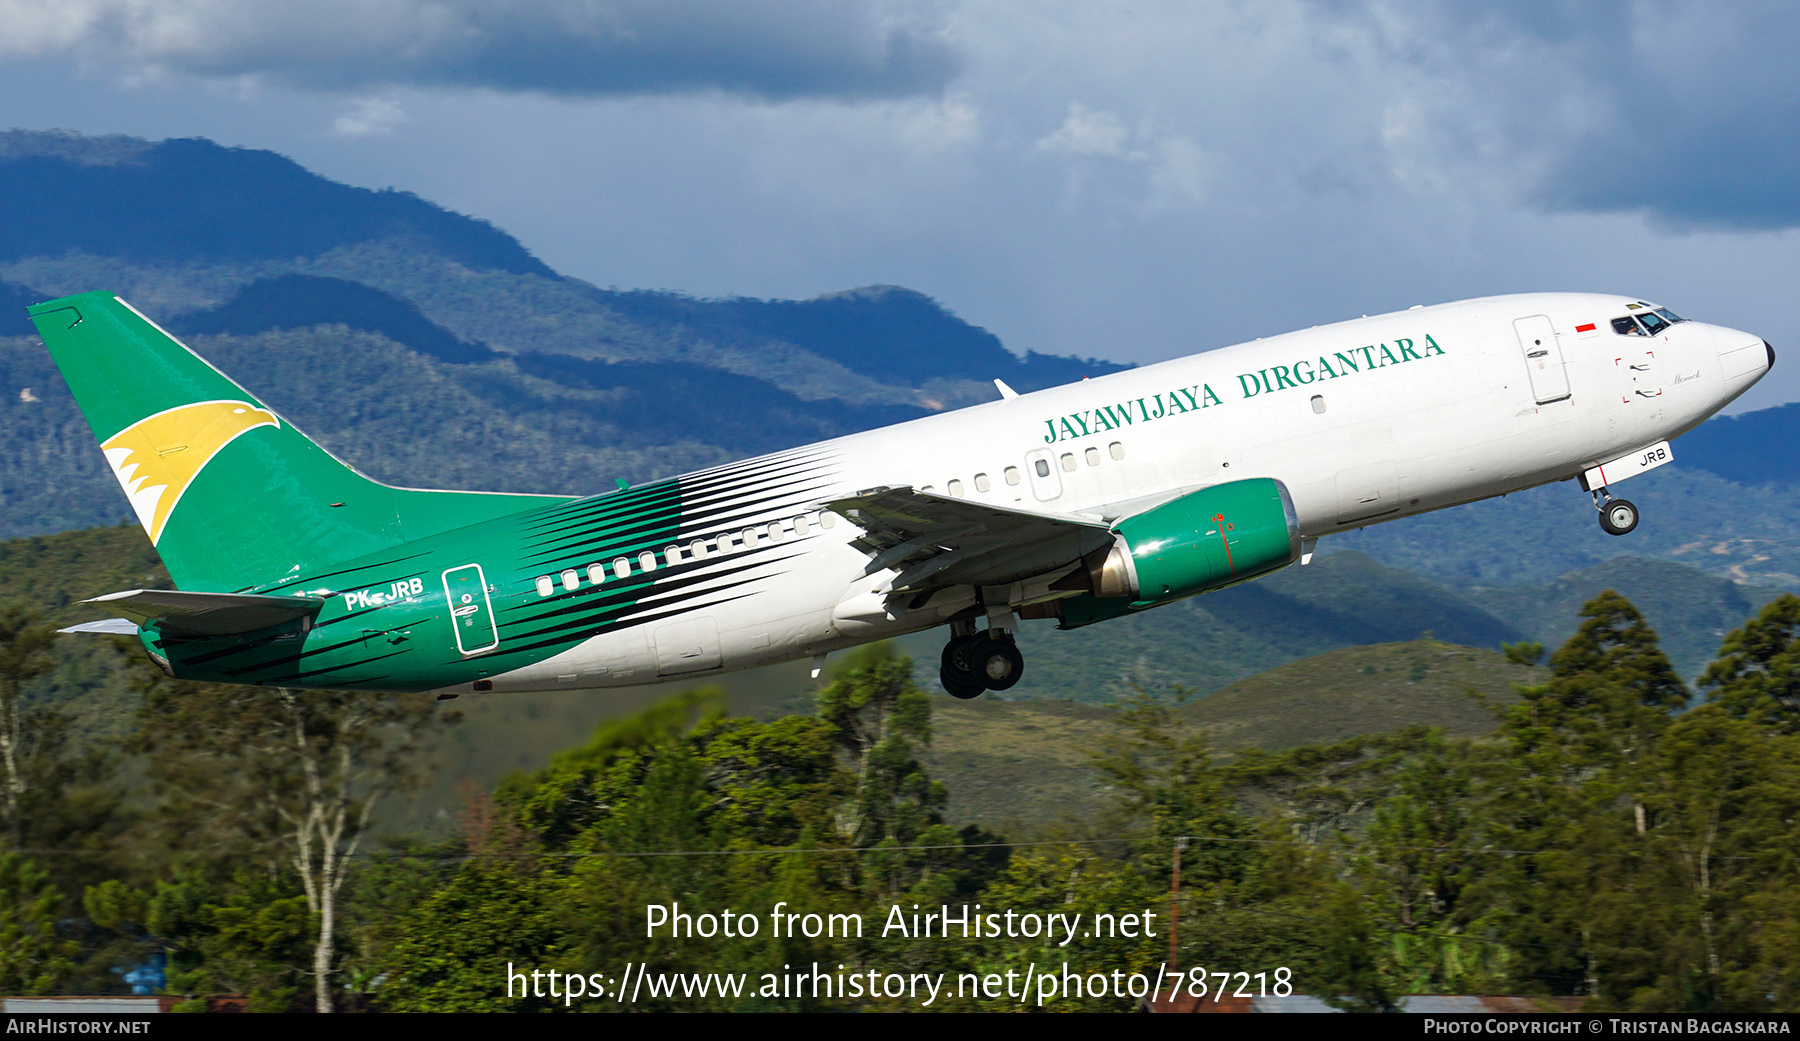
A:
(987, 659)
(1617, 516)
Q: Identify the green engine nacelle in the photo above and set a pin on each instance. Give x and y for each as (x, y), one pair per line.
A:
(1205, 540)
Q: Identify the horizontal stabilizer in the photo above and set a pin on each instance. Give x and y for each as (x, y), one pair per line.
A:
(208, 614)
(107, 626)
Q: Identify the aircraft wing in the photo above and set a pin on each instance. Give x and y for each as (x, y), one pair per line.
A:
(933, 541)
(202, 614)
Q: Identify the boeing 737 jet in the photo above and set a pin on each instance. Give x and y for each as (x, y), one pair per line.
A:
(1076, 504)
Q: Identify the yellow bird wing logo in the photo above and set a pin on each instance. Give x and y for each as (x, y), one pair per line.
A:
(156, 458)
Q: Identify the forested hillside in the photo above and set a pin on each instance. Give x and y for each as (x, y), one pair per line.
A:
(1595, 838)
(429, 347)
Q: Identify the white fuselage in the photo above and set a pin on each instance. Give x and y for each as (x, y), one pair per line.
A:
(1364, 421)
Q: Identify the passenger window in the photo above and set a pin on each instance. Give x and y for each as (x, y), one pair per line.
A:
(1043, 467)
(1626, 326)
(1093, 457)
(546, 585)
(671, 555)
(596, 573)
(800, 525)
(1318, 404)
(749, 535)
(954, 488)
(647, 561)
(1068, 462)
(775, 532)
(1012, 475)
(697, 549)
(827, 519)
(622, 567)
(1117, 450)
(982, 483)
(571, 580)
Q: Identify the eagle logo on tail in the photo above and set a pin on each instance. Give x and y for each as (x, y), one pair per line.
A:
(156, 458)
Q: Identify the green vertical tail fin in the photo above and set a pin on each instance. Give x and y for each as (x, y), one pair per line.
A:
(231, 495)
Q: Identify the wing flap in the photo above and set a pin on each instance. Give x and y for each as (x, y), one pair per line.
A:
(936, 540)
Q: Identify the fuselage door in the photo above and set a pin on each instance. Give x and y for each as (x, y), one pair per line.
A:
(1543, 358)
(471, 611)
(1046, 484)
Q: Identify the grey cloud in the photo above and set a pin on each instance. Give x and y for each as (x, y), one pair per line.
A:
(1707, 127)
(1686, 111)
(770, 50)
(1735, 170)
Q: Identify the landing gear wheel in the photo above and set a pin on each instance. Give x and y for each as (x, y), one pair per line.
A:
(1618, 516)
(958, 679)
(997, 663)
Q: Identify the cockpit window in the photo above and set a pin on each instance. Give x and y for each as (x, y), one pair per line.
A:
(1653, 322)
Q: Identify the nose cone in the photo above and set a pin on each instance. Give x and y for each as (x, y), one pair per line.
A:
(1743, 358)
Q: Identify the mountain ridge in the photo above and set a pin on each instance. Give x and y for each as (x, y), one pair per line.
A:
(216, 203)
(290, 281)
(514, 378)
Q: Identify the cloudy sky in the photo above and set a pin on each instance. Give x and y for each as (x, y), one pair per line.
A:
(1127, 180)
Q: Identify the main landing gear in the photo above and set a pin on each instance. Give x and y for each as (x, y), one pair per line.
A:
(979, 659)
(1617, 516)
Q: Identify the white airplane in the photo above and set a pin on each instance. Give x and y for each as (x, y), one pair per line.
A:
(1079, 503)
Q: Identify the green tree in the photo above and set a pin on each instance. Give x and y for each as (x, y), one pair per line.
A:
(459, 948)
(1162, 772)
(1723, 799)
(1639, 840)
(286, 778)
(674, 806)
(24, 654)
(1251, 887)
(33, 959)
(1418, 859)
(882, 721)
(1352, 974)
(242, 935)
(682, 807)
(1613, 648)
(1566, 799)
(1757, 674)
